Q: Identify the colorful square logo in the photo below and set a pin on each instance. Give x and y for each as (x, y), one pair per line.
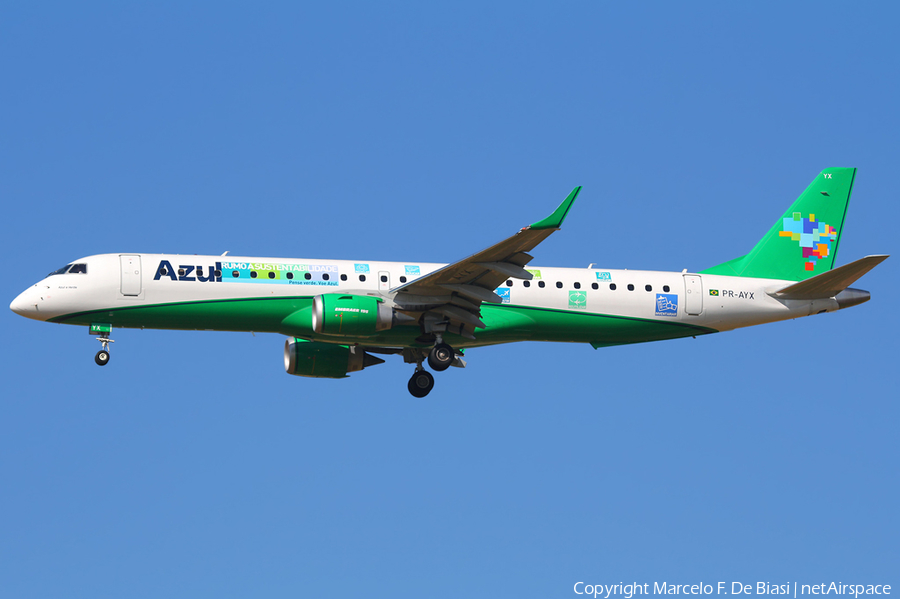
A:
(412, 270)
(503, 292)
(361, 267)
(604, 276)
(815, 237)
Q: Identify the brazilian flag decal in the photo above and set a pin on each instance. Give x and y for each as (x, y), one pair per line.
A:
(714, 292)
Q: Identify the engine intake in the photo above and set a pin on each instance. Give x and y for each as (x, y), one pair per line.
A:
(324, 360)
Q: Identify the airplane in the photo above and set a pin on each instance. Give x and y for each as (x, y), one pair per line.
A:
(340, 315)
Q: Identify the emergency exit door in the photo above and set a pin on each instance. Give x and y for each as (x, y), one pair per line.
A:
(130, 269)
(693, 294)
(384, 281)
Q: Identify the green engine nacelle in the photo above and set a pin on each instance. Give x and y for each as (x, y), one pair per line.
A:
(350, 315)
(324, 360)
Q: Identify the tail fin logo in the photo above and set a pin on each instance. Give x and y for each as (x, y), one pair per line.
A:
(815, 237)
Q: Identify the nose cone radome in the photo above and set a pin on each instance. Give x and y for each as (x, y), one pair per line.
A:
(24, 305)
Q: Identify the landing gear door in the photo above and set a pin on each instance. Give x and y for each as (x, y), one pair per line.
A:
(130, 269)
(693, 294)
(384, 281)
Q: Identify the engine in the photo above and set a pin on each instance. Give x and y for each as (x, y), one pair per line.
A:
(324, 360)
(350, 315)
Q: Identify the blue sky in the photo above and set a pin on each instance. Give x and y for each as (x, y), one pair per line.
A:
(193, 466)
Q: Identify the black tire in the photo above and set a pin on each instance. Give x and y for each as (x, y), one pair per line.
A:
(102, 358)
(441, 357)
(421, 383)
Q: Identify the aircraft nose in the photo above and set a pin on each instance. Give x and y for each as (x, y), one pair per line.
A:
(23, 305)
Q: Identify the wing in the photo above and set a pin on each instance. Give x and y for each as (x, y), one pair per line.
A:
(450, 298)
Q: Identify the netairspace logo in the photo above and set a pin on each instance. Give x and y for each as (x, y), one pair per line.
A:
(729, 588)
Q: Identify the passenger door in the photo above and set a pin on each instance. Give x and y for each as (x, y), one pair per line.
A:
(693, 294)
(130, 269)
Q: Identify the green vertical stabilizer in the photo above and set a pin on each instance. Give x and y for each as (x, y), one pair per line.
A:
(804, 241)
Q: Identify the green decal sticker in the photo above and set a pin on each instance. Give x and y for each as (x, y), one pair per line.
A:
(578, 300)
(96, 329)
(536, 273)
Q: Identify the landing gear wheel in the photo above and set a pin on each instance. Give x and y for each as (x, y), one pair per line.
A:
(421, 383)
(441, 357)
(102, 357)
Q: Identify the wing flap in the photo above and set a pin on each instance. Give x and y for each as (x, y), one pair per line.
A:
(475, 292)
(508, 269)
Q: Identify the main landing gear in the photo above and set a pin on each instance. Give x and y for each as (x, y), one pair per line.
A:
(421, 383)
(102, 357)
(440, 358)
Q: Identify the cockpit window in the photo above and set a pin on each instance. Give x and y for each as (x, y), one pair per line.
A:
(72, 269)
(61, 271)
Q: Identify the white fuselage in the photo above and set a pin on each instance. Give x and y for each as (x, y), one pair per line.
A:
(115, 281)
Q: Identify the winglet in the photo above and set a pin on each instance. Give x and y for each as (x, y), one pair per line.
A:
(555, 220)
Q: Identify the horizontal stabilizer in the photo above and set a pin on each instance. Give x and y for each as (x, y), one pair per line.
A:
(830, 283)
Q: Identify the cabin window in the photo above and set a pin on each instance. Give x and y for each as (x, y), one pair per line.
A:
(217, 272)
(541, 284)
(595, 286)
(343, 277)
(163, 272)
(559, 284)
(271, 274)
(384, 278)
(252, 274)
(402, 279)
(325, 276)
(235, 274)
(666, 288)
(648, 287)
(576, 285)
(509, 283)
(630, 287)
(180, 272)
(612, 286)
(307, 276)
(526, 283)
(362, 278)
(290, 275)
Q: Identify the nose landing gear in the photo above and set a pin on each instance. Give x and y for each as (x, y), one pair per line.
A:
(102, 357)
